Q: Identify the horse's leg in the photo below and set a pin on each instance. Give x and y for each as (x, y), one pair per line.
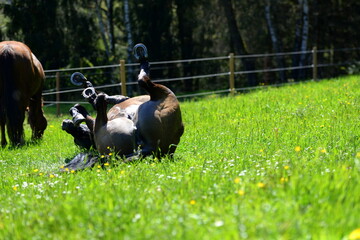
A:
(37, 120)
(3, 133)
(79, 114)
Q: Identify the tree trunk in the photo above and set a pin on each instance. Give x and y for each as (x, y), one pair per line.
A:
(237, 40)
(110, 19)
(304, 36)
(102, 28)
(274, 40)
(297, 42)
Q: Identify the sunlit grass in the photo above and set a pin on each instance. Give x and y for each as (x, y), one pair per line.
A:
(280, 163)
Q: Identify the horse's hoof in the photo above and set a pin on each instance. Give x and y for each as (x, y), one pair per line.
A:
(140, 52)
(78, 79)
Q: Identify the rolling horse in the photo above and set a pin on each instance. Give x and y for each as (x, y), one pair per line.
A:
(21, 83)
(134, 127)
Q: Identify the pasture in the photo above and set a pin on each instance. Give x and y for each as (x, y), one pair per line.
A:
(277, 163)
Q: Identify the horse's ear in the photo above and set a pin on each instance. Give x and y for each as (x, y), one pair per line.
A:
(78, 79)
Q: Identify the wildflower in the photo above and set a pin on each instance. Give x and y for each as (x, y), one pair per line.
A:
(286, 167)
(62, 166)
(261, 185)
(192, 202)
(297, 149)
(109, 170)
(36, 170)
(102, 156)
(15, 188)
(261, 150)
(98, 166)
(40, 174)
(122, 172)
(355, 234)
(51, 175)
(66, 169)
(358, 155)
(72, 171)
(237, 180)
(51, 126)
(106, 164)
(241, 192)
(98, 170)
(110, 154)
(323, 150)
(284, 179)
(218, 223)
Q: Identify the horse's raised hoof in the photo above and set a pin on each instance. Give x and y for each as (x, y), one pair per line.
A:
(78, 79)
(140, 52)
(78, 118)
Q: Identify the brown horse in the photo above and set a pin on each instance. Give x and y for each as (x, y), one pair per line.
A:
(21, 83)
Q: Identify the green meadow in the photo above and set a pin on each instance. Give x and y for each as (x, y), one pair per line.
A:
(275, 163)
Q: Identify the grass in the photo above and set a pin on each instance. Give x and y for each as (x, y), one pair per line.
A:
(279, 163)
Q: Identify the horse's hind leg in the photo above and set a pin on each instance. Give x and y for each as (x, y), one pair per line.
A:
(37, 120)
(3, 133)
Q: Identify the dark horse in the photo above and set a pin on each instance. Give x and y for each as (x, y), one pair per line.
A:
(21, 83)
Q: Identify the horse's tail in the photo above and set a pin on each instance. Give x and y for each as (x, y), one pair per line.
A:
(10, 99)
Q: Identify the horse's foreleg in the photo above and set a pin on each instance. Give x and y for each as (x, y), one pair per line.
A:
(37, 120)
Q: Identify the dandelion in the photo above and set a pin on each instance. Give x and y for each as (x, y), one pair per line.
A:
(241, 192)
(36, 170)
(62, 166)
(261, 185)
(297, 149)
(66, 169)
(286, 167)
(15, 188)
(110, 154)
(72, 171)
(40, 174)
(98, 166)
(284, 179)
(355, 234)
(109, 170)
(122, 172)
(237, 180)
(261, 150)
(98, 170)
(51, 175)
(106, 164)
(102, 156)
(52, 126)
(323, 150)
(192, 202)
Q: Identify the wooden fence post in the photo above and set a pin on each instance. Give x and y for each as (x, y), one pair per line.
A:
(123, 78)
(232, 74)
(314, 52)
(57, 94)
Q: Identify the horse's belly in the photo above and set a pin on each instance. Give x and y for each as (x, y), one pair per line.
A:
(117, 135)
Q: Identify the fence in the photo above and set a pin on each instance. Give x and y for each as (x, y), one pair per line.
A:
(123, 78)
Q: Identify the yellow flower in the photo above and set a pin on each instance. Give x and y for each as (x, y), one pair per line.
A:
(241, 192)
(106, 164)
(62, 166)
(261, 150)
(286, 167)
(110, 154)
(15, 188)
(72, 171)
(358, 155)
(98, 166)
(283, 179)
(297, 149)
(51, 175)
(36, 170)
(261, 185)
(122, 172)
(98, 170)
(355, 234)
(192, 202)
(237, 180)
(109, 170)
(102, 156)
(323, 150)
(40, 174)
(66, 169)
